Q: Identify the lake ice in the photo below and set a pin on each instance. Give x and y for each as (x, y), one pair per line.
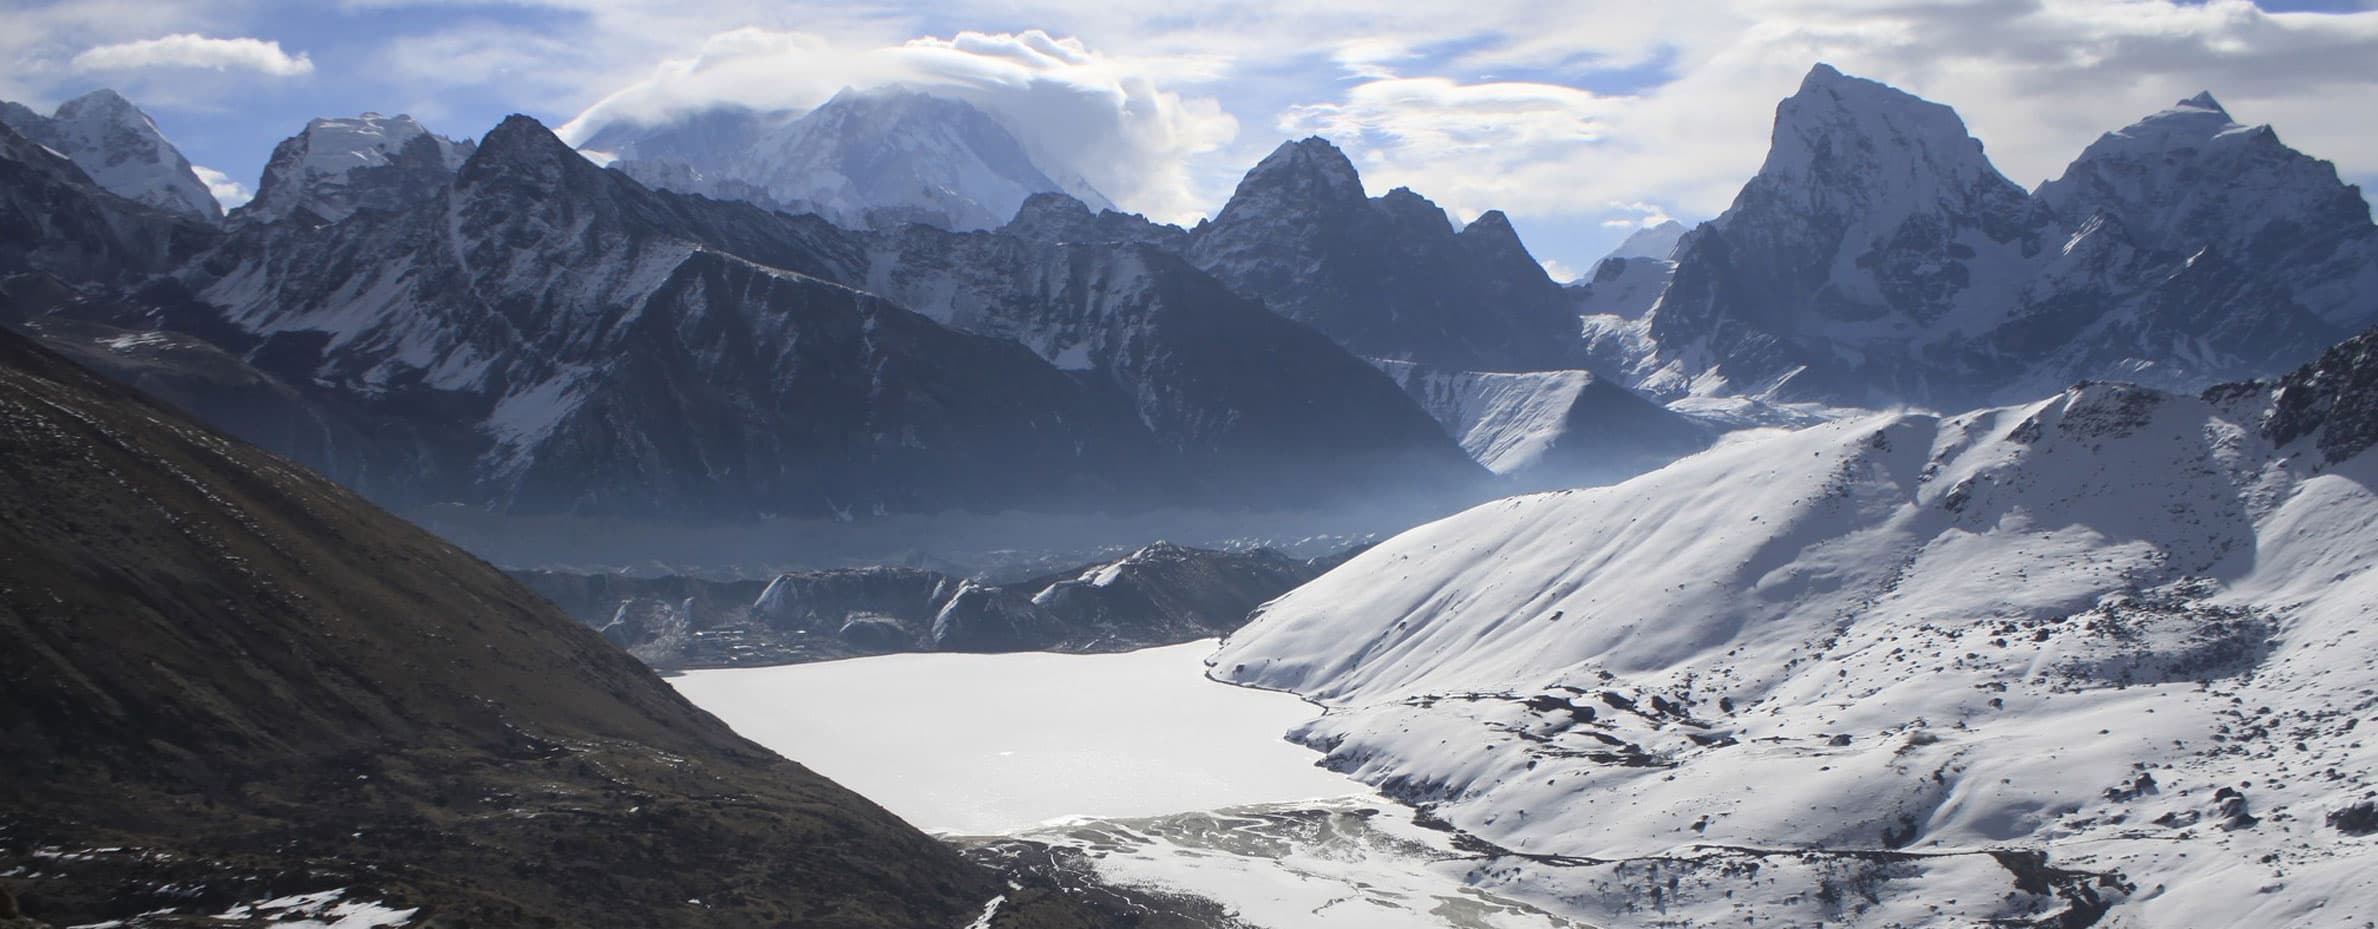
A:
(1159, 776)
(990, 744)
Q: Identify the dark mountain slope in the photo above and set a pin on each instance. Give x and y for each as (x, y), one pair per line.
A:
(217, 656)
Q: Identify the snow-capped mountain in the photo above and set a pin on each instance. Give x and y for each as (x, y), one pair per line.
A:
(1550, 428)
(367, 162)
(1388, 277)
(60, 222)
(863, 159)
(120, 148)
(540, 335)
(1878, 257)
(2097, 657)
(616, 350)
(1657, 240)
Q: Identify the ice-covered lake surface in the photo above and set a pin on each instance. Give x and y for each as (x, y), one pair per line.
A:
(992, 744)
(1160, 777)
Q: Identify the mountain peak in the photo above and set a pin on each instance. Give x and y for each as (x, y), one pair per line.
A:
(101, 102)
(121, 148)
(1052, 206)
(340, 164)
(1654, 241)
(1845, 140)
(1820, 74)
(522, 147)
(1311, 170)
(2204, 101)
(521, 135)
(1493, 224)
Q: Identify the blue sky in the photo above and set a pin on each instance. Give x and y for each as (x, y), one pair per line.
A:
(1578, 119)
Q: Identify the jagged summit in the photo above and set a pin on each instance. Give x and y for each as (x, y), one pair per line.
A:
(2204, 101)
(1386, 277)
(1307, 172)
(1845, 140)
(336, 166)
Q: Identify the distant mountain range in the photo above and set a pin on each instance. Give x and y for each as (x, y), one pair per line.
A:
(506, 326)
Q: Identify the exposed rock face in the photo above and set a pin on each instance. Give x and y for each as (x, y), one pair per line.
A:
(230, 680)
(369, 162)
(119, 147)
(1877, 257)
(2332, 401)
(864, 159)
(1386, 277)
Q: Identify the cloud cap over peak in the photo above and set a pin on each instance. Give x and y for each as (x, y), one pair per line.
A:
(1108, 120)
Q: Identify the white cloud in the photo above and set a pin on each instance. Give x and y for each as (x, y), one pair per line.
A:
(190, 50)
(1559, 272)
(1113, 120)
(1640, 215)
(228, 192)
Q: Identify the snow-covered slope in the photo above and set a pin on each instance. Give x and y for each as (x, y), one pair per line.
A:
(1622, 288)
(338, 166)
(1550, 428)
(1877, 257)
(2096, 659)
(119, 147)
(863, 159)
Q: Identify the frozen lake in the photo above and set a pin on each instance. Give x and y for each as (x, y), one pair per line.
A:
(993, 744)
(1157, 776)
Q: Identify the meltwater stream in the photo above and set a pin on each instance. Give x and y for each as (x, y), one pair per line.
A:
(1162, 778)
